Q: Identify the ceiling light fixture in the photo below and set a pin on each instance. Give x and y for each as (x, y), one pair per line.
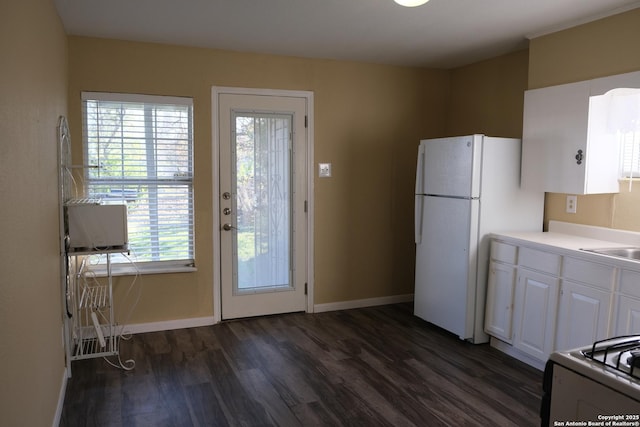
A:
(411, 3)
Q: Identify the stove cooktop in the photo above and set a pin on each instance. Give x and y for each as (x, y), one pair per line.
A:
(613, 362)
(620, 353)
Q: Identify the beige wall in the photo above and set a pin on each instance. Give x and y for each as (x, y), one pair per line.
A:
(33, 94)
(487, 97)
(368, 121)
(605, 47)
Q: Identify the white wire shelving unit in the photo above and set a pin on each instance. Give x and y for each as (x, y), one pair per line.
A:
(93, 331)
(89, 323)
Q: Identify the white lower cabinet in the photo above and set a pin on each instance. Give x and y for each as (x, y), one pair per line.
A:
(501, 285)
(534, 311)
(540, 300)
(583, 315)
(628, 316)
(585, 303)
(627, 321)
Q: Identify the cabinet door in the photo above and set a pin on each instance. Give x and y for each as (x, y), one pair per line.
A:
(627, 316)
(535, 313)
(500, 291)
(554, 129)
(583, 316)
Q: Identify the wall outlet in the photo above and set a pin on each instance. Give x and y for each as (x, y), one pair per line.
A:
(572, 204)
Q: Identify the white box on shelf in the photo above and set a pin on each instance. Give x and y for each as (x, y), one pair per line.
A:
(94, 227)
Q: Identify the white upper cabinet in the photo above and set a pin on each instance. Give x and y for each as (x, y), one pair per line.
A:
(568, 145)
(554, 130)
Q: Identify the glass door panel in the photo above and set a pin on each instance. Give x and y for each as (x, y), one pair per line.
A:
(261, 179)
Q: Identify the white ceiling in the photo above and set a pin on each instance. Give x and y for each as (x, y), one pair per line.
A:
(440, 34)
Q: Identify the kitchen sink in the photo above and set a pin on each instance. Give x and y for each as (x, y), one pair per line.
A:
(632, 253)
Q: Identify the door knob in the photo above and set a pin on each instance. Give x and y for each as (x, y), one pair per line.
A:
(227, 227)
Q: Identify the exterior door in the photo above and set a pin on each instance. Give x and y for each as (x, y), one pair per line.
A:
(263, 199)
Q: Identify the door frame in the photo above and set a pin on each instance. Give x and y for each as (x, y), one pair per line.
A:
(216, 91)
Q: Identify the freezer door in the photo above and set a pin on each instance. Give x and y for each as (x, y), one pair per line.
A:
(445, 270)
(449, 166)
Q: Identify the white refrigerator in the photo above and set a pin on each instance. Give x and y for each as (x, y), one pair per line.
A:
(466, 188)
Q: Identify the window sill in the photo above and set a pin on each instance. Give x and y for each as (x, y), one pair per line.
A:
(131, 270)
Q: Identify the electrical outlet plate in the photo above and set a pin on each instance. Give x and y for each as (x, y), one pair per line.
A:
(324, 170)
(572, 204)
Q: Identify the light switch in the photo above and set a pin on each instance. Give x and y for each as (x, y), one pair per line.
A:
(324, 170)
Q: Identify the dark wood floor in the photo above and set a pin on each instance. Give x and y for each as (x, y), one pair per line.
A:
(376, 366)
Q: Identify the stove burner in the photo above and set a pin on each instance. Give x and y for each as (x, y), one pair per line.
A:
(633, 360)
(620, 353)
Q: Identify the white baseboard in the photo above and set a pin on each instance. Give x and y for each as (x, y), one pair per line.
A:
(516, 354)
(360, 303)
(63, 391)
(140, 328)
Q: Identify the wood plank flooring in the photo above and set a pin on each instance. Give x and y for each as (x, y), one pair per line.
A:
(377, 366)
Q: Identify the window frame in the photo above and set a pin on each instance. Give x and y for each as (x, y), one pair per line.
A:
(129, 265)
(622, 116)
(629, 144)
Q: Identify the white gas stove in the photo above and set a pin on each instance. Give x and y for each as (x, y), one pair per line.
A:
(596, 385)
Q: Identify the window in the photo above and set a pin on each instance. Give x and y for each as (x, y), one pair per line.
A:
(624, 119)
(142, 147)
(630, 154)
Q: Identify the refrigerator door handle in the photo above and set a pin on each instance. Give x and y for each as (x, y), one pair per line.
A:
(418, 218)
(420, 170)
(419, 205)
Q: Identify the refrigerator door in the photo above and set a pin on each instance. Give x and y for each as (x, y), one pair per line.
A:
(450, 166)
(445, 264)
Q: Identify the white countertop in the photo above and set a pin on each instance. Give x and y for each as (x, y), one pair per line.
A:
(569, 239)
(561, 240)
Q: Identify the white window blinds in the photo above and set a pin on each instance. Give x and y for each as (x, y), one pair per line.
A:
(623, 119)
(143, 147)
(630, 151)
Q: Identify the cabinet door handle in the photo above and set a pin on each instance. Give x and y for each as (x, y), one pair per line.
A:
(579, 157)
